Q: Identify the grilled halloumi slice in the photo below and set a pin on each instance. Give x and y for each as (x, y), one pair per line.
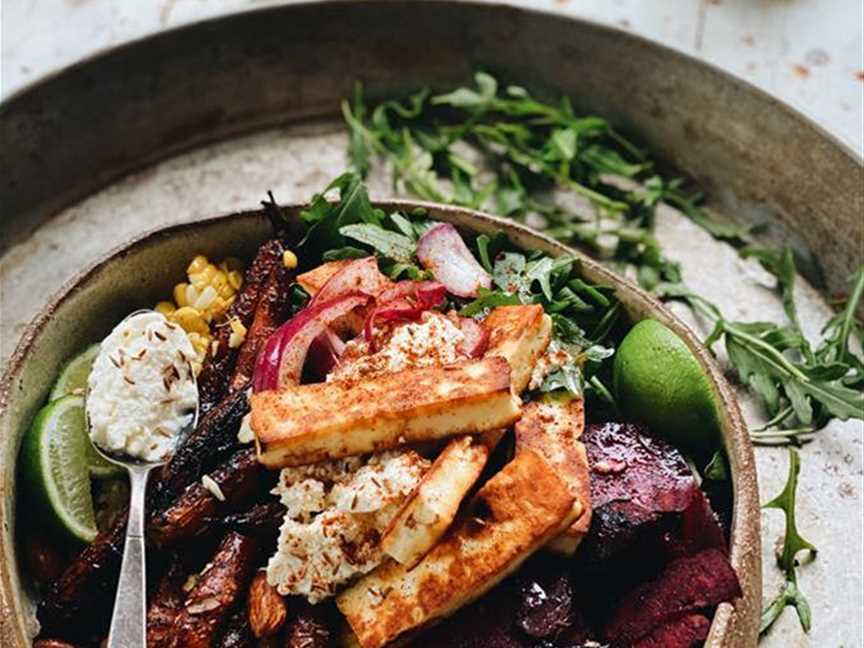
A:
(553, 428)
(303, 424)
(519, 334)
(429, 511)
(516, 512)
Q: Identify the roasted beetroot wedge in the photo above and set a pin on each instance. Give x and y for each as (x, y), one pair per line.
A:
(687, 585)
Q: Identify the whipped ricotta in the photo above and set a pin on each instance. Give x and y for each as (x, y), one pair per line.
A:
(433, 341)
(141, 392)
(335, 514)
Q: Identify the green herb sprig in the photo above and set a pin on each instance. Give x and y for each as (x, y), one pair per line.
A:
(787, 558)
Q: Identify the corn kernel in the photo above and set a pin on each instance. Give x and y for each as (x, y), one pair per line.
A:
(180, 294)
(205, 299)
(289, 259)
(238, 333)
(165, 307)
(191, 295)
(235, 279)
(190, 319)
(197, 264)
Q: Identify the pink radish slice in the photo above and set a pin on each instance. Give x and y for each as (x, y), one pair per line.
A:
(476, 338)
(443, 252)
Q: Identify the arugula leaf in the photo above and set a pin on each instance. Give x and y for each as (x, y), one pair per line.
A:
(389, 244)
(781, 264)
(718, 467)
(838, 331)
(324, 219)
(346, 252)
(480, 99)
(487, 300)
(787, 558)
(810, 391)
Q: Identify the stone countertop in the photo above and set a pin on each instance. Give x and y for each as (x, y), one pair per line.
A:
(807, 54)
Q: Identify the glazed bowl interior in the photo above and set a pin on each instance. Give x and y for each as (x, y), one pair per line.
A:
(143, 271)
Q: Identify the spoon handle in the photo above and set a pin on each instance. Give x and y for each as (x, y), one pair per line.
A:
(128, 623)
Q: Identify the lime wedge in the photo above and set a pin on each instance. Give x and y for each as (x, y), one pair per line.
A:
(54, 466)
(659, 381)
(73, 381)
(73, 378)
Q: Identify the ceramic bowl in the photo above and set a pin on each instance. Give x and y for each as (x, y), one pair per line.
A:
(144, 270)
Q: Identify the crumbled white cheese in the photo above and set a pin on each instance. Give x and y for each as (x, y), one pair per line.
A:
(141, 392)
(434, 340)
(335, 514)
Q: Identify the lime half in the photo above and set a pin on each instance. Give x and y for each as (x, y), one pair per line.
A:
(73, 378)
(54, 465)
(658, 380)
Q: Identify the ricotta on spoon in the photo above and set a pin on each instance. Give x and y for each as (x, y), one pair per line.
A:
(141, 391)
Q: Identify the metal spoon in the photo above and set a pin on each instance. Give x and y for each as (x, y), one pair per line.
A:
(128, 621)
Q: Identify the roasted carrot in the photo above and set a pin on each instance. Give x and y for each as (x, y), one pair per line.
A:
(217, 494)
(218, 589)
(203, 448)
(219, 364)
(78, 604)
(165, 606)
(270, 313)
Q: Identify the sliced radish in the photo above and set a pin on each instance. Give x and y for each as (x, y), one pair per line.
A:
(476, 338)
(443, 252)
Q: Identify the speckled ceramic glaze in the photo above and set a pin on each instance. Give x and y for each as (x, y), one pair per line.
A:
(144, 270)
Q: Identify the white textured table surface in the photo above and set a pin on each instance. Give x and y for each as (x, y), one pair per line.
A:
(806, 52)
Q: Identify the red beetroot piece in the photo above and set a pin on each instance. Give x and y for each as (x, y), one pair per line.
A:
(687, 585)
(647, 504)
(687, 632)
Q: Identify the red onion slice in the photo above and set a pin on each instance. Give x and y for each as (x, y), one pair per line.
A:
(443, 252)
(324, 354)
(281, 361)
(406, 300)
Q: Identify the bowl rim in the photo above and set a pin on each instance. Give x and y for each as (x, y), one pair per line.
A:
(730, 623)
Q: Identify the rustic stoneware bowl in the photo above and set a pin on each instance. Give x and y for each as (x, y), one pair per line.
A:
(144, 270)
